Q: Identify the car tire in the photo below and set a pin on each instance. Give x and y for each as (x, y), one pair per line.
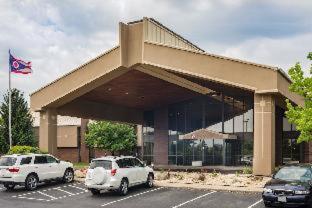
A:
(9, 186)
(68, 176)
(150, 181)
(95, 191)
(124, 187)
(31, 182)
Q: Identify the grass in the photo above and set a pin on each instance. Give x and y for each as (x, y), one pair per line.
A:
(80, 165)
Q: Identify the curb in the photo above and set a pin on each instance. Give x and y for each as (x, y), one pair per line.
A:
(215, 188)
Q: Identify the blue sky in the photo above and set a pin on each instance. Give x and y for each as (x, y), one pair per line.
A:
(59, 35)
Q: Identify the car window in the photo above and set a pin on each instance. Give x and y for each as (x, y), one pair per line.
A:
(7, 161)
(125, 163)
(106, 164)
(294, 173)
(120, 163)
(137, 163)
(51, 159)
(41, 160)
(26, 160)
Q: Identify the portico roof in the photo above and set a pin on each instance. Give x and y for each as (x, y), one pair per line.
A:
(201, 134)
(147, 50)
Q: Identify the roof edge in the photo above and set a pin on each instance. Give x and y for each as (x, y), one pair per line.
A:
(75, 69)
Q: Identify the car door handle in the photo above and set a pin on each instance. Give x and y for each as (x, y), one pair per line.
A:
(36, 167)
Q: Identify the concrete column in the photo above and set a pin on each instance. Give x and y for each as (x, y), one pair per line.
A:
(48, 131)
(84, 150)
(264, 135)
(161, 136)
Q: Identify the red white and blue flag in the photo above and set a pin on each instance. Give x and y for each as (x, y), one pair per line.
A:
(19, 66)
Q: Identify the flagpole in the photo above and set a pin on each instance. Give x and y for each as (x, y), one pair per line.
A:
(10, 108)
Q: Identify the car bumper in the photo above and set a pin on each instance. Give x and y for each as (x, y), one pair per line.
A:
(111, 185)
(15, 179)
(294, 200)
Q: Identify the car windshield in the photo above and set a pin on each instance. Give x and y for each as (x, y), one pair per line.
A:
(7, 161)
(294, 174)
(106, 164)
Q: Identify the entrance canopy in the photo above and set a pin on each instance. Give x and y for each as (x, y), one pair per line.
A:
(148, 50)
(153, 67)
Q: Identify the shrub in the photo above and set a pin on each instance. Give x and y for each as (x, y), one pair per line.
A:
(214, 173)
(23, 150)
(247, 170)
(201, 177)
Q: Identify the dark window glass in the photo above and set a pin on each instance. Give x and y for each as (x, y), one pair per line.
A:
(106, 164)
(137, 163)
(128, 163)
(213, 112)
(51, 159)
(7, 161)
(26, 160)
(40, 160)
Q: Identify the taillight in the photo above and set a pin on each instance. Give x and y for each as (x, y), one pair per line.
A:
(13, 170)
(113, 172)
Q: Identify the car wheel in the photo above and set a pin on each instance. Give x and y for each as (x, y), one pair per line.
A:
(95, 191)
(150, 181)
(9, 186)
(31, 182)
(68, 176)
(123, 188)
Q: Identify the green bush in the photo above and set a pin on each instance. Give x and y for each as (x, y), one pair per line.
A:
(23, 150)
(247, 170)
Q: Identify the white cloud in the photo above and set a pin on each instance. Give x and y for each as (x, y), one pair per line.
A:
(283, 52)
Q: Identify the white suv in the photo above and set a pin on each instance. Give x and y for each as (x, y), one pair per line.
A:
(118, 174)
(30, 169)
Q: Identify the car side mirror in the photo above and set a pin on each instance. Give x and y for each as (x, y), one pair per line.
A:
(144, 164)
(272, 175)
(58, 161)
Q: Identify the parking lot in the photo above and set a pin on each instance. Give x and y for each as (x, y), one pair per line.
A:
(76, 196)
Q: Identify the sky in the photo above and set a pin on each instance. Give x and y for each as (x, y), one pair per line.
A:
(59, 35)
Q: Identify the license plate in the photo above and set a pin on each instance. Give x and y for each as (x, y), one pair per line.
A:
(281, 199)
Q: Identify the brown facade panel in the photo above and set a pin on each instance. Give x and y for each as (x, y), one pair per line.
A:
(161, 137)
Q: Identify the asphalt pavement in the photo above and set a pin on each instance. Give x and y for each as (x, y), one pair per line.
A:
(75, 195)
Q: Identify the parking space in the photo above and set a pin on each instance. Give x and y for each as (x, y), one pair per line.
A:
(76, 196)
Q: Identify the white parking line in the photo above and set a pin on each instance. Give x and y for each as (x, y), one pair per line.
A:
(67, 192)
(180, 205)
(145, 192)
(78, 188)
(52, 197)
(254, 204)
(31, 198)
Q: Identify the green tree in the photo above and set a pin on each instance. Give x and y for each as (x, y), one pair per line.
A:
(301, 116)
(22, 130)
(3, 145)
(113, 137)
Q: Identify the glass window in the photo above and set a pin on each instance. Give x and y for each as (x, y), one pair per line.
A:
(218, 151)
(213, 112)
(40, 160)
(7, 161)
(294, 173)
(137, 163)
(26, 160)
(106, 164)
(128, 163)
(194, 115)
(51, 159)
(286, 125)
